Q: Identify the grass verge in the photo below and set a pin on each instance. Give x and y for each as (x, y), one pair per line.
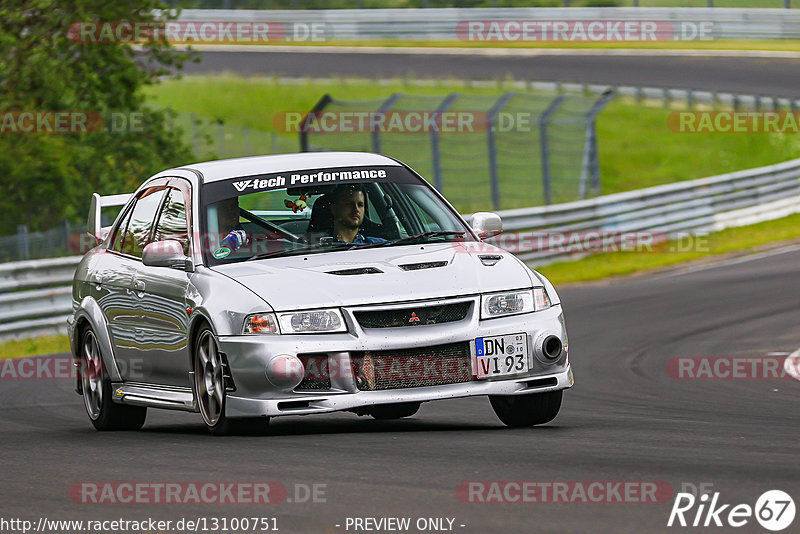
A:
(745, 239)
(37, 346)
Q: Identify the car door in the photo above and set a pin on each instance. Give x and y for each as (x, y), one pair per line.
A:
(161, 294)
(119, 280)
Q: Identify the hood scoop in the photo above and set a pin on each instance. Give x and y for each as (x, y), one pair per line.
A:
(490, 260)
(356, 271)
(425, 265)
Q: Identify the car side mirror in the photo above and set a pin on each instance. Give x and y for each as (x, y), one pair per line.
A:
(167, 253)
(487, 224)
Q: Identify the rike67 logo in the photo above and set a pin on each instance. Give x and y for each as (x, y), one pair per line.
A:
(774, 510)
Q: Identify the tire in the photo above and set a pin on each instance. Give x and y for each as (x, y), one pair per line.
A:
(209, 390)
(103, 412)
(385, 412)
(527, 410)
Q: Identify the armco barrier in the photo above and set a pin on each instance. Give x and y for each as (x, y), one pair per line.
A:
(35, 295)
(442, 24)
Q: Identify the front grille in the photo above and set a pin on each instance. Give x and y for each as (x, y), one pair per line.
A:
(446, 313)
(412, 368)
(317, 373)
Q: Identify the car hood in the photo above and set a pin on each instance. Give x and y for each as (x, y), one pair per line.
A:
(303, 282)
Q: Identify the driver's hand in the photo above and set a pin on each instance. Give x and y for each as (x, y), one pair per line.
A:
(235, 239)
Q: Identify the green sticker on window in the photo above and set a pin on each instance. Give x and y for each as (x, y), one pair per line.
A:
(222, 252)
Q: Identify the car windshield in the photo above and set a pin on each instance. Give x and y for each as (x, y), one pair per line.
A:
(322, 210)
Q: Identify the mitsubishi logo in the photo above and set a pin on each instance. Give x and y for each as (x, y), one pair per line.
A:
(414, 318)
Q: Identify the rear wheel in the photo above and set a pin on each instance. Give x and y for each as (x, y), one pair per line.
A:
(393, 411)
(209, 387)
(527, 410)
(104, 413)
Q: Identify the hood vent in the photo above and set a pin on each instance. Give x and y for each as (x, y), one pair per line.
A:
(420, 266)
(490, 259)
(357, 271)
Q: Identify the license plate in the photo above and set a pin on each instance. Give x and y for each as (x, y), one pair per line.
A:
(498, 356)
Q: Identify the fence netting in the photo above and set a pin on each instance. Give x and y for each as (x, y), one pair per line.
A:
(484, 152)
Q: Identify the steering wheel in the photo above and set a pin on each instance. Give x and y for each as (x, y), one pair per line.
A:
(252, 217)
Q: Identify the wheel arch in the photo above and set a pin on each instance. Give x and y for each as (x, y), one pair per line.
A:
(90, 315)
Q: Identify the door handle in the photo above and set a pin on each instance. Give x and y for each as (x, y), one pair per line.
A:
(98, 280)
(138, 285)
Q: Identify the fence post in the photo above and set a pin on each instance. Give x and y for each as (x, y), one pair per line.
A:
(319, 106)
(590, 171)
(246, 141)
(375, 134)
(193, 119)
(23, 242)
(545, 145)
(221, 139)
(494, 179)
(436, 158)
(65, 230)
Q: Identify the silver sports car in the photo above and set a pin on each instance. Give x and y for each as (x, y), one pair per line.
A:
(306, 283)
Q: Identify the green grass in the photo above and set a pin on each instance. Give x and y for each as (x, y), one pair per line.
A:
(37, 346)
(740, 240)
(637, 149)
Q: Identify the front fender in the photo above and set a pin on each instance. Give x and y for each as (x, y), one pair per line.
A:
(89, 311)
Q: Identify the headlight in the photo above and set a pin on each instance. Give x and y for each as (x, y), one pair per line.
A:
(260, 323)
(514, 302)
(311, 322)
(541, 300)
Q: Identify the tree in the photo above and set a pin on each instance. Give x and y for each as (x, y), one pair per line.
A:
(49, 177)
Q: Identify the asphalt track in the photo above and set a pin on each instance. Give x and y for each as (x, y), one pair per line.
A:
(768, 76)
(626, 419)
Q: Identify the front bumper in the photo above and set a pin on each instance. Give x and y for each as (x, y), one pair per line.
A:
(321, 403)
(255, 395)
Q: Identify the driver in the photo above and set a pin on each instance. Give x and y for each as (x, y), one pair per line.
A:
(228, 217)
(347, 208)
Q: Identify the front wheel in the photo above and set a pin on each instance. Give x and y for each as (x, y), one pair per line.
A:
(527, 410)
(209, 387)
(104, 413)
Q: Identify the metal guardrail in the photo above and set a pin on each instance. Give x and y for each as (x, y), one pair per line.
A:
(443, 24)
(695, 207)
(35, 295)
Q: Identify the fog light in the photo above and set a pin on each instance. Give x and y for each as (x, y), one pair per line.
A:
(285, 371)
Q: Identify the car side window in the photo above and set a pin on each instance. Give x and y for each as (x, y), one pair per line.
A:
(119, 236)
(142, 218)
(172, 221)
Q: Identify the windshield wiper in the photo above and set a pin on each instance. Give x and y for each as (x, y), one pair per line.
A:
(327, 247)
(413, 239)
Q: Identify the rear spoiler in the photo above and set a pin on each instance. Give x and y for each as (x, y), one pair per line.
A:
(94, 225)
